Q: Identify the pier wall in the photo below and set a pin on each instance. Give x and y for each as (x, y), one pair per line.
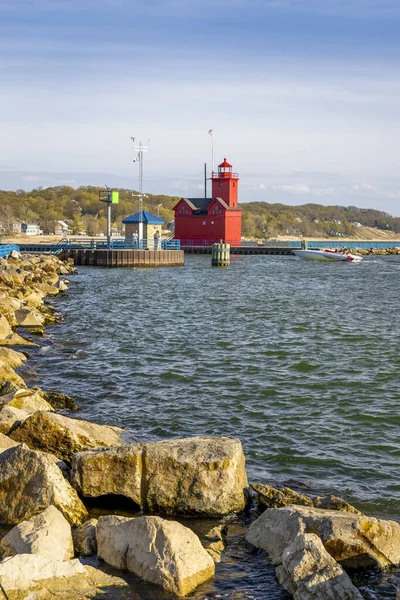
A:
(125, 258)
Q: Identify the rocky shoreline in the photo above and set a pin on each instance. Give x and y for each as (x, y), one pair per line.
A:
(53, 465)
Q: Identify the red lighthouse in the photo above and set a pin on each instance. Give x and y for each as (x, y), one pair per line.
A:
(205, 221)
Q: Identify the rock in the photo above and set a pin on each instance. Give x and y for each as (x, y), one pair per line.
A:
(214, 542)
(7, 308)
(12, 358)
(35, 577)
(273, 498)
(29, 318)
(58, 401)
(63, 436)
(15, 255)
(62, 286)
(48, 534)
(203, 476)
(85, 541)
(7, 373)
(29, 400)
(15, 340)
(34, 298)
(7, 390)
(30, 482)
(109, 471)
(335, 503)
(356, 541)
(308, 572)
(11, 417)
(5, 328)
(6, 442)
(162, 552)
(199, 475)
(49, 290)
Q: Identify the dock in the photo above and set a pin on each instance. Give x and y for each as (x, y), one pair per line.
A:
(271, 250)
(114, 258)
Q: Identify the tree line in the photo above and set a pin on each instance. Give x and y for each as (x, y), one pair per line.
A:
(83, 212)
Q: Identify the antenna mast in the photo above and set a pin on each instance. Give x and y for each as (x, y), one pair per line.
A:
(140, 149)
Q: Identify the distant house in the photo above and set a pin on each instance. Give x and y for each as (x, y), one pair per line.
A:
(62, 228)
(31, 229)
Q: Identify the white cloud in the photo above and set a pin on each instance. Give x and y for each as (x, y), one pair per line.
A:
(298, 188)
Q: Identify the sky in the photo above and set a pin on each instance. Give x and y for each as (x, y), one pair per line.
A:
(303, 96)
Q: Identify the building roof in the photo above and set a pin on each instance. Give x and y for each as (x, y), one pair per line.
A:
(199, 204)
(144, 217)
(225, 164)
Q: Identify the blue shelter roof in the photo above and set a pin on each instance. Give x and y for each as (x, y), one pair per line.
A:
(146, 218)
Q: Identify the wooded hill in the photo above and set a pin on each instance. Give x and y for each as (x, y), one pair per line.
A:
(83, 211)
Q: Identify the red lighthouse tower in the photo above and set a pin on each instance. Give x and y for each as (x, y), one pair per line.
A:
(206, 221)
(225, 184)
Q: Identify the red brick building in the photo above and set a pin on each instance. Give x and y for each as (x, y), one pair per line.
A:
(205, 221)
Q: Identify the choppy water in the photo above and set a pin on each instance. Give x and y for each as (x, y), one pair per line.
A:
(300, 360)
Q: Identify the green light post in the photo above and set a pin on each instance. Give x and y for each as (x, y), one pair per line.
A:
(110, 197)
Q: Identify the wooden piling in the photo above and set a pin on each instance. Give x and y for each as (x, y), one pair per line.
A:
(220, 255)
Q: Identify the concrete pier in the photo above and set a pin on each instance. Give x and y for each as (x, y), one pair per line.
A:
(125, 258)
(240, 250)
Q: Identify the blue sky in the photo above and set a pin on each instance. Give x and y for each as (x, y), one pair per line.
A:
(303, 96)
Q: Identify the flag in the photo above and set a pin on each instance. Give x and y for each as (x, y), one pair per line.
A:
(210, 132)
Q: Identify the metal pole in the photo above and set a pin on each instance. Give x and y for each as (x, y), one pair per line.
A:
(212, 152)
(140, 232)
(205, 180)
(109, 223)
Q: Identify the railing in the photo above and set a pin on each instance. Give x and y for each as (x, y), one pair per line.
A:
(6, 249)
(202, 243)
(116, 244)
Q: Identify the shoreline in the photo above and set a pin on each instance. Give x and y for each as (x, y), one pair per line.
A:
(80, 460)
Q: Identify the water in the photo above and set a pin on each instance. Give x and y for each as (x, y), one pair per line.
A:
(297, 359)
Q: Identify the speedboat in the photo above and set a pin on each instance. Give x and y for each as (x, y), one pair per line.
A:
(330, 255)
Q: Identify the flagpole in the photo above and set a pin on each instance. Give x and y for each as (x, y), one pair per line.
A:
(212, 152)
(211, 132)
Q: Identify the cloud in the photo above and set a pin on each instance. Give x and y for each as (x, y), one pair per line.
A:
(301, 188)
(363, 187)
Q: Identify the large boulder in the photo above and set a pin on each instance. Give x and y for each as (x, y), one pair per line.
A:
(35, 577)
(27, 399)
(12, 358)
(193, 476)
(162, 552)
(5, 327)
(6, 442)
(31, 319)
(8, 374)
(199, 475)
(109, 471)
(11, 417)
(31, 481)
(308, 572)
(353, 540)
(48, 534)
(64, 436)
(14, 339)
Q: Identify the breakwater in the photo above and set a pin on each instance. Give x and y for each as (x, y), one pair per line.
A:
(155, 295)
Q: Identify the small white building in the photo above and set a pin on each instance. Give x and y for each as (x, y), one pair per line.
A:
(31, 229)
(62, 228)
